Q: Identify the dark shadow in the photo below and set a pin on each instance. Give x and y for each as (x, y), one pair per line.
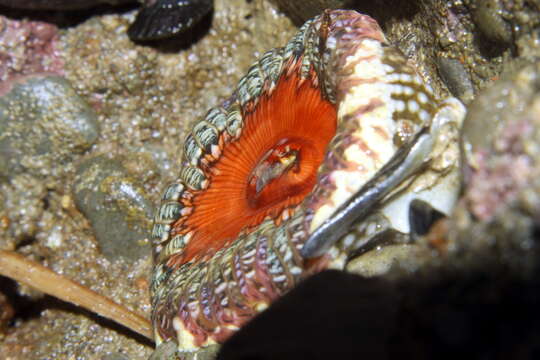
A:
(64, 19)
(380, 10)
(385, 10)
(491, 49)
(24, 308)
(67, 19)
(25, 241)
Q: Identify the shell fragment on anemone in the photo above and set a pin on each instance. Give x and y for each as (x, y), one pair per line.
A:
(307, 129)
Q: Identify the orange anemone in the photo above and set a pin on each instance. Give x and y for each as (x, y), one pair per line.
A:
(272, 166)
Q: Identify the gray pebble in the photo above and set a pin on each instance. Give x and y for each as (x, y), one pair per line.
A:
(43, 124)
(456, 78)
(116, 205)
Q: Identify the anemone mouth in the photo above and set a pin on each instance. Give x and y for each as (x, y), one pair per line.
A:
(267, 171)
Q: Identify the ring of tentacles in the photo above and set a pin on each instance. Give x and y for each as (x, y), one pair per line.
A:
(304, 128)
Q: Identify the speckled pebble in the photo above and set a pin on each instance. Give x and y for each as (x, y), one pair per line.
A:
(43, 125)
(116, 205)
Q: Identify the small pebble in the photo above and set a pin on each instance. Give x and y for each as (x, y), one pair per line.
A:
(456, 78)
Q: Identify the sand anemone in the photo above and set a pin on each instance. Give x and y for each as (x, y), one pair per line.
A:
(318, 132)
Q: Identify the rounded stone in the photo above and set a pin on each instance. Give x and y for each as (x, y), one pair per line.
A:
(43, 125)
(116, 205)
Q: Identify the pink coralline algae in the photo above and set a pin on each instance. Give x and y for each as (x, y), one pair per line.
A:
(27, 47)
(498, 180)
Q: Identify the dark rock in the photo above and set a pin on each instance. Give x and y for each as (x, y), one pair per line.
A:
(116, 205)
(166, 18)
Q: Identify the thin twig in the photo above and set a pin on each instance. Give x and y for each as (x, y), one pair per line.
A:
(17, 267)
